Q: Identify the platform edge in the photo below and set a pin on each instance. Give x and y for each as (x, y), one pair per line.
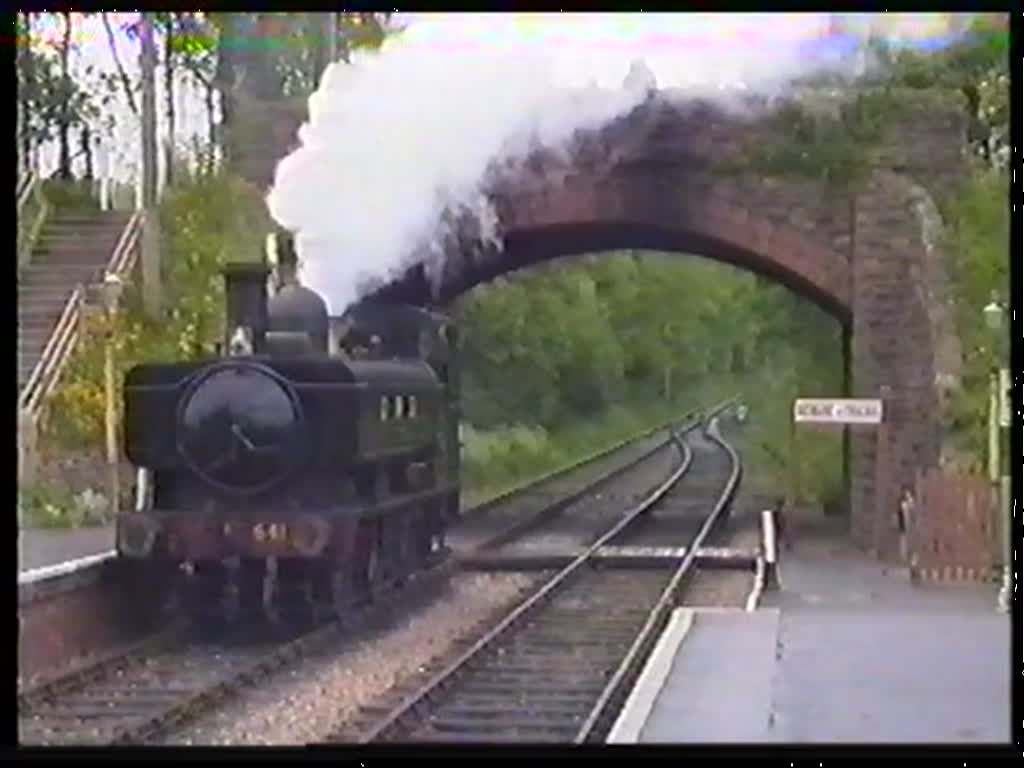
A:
(640, 703)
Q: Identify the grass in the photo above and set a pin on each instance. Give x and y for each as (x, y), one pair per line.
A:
(499, 460)
(765, 443)
(52, 507)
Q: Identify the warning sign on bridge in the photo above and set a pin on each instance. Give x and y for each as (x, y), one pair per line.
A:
(837, 411)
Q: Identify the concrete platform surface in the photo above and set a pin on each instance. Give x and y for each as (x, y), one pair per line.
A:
(847, 651)
(38, 548)
(746, 642)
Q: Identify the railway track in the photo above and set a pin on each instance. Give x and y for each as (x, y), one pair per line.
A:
(558, 667)
(164, 683)
(140, 696)
(508, 518)
(580, 517)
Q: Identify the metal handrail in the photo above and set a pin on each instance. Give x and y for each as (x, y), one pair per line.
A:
(29, 186)
(58, 348)
(26, 184)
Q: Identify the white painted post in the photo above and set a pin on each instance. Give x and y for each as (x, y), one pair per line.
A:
(103, 161)
(771, 575)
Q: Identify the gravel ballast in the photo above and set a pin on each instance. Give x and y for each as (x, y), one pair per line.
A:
(584, 521)
(726, 588)
(315, 697)
(479, 524)
(304, 704)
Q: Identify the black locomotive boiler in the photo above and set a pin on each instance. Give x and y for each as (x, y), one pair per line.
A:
(311, 462)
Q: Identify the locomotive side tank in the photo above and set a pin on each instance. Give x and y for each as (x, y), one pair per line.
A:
(312, 463)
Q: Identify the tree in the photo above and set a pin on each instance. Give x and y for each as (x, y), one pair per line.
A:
(151, 278)
(126, 84)
(64, 121)
(196, 47)
(51, 103)
(28, 90)
(970, 67)
(167, 23)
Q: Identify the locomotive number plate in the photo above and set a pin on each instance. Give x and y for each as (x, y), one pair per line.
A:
(276, 533)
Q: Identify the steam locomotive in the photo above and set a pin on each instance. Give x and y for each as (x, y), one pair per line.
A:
(311, 462)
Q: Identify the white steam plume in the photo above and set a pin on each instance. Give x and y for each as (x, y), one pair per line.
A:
(398, 136)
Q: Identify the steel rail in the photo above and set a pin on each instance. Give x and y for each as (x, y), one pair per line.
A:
(444, 678)
(659, 616)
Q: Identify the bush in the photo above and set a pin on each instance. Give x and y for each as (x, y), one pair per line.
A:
(501, 457)
(70, 195)
(978, 239)
(205, 222)
(51, 506)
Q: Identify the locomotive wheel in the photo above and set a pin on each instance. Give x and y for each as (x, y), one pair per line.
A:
(293, 602)
(305, 611)
(241, 595)
(420, 543)
(205, 599)
(371, 572)
(342, 593)
(410, 555)
(151, 590)
(271, 599)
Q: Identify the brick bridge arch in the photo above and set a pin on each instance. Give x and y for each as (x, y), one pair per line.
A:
(661, 178)
(640, 210)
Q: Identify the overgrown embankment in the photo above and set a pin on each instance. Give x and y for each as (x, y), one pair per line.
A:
(205, 221)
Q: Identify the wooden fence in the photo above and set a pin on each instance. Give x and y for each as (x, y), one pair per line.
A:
(953, 534)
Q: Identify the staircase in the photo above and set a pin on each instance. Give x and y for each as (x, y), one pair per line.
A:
(73, 248)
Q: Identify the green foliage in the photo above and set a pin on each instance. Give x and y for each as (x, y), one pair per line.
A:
(47, 507)
(70, 195)
(562, 359)
(43, 91)
(51, 506)
(206, 222)
(767, 434)
(832, 132)
(830, 141)
(500, 459)
(979, 235)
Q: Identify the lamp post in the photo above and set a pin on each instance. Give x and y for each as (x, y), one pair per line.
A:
(999, 425)
(111, 292)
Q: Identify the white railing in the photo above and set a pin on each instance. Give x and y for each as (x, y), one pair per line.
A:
(28, 228)
(48, 370)
(26, 186)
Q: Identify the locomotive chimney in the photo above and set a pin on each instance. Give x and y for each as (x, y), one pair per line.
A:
(245, 291)
(287, 260)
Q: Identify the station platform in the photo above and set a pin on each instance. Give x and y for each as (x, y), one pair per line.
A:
(845, 651)
(43, 547)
